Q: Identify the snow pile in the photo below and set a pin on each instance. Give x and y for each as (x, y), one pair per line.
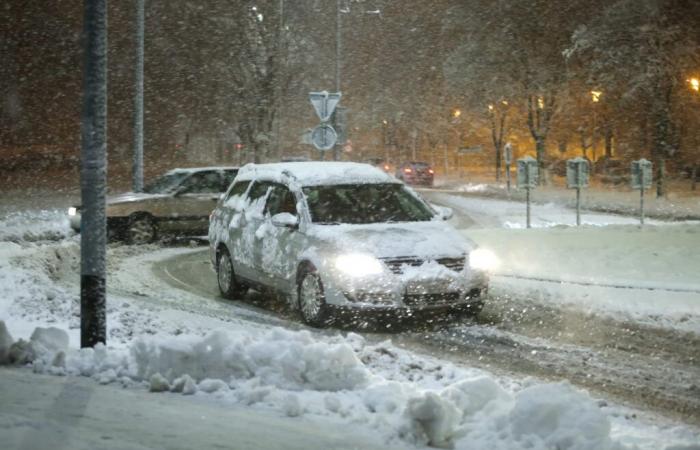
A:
(27, 284)
(283, 359)
(32, 226)
(298, 374)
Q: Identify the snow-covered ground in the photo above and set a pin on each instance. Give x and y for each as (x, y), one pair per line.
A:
(163, 339)
(609, 265)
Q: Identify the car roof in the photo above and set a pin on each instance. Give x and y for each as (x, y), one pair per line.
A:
(316, 173)
(202, 169)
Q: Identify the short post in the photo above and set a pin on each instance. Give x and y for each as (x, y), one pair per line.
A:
(577, 175)
(527, 200)
(527, 178)
(641, 179)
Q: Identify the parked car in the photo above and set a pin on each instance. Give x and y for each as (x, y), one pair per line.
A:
(380, 163)
(176, 203)
(416, 173)
(337, 237)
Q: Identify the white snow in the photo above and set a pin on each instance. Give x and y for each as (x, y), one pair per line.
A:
(163, 341)
(316, 173)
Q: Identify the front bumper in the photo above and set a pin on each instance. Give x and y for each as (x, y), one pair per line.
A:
(396, 292)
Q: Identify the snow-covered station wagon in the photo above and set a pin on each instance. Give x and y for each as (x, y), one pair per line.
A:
(341, 236)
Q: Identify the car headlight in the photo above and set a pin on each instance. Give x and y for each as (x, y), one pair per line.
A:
(72, 211)
(483, 259)
(358, 265)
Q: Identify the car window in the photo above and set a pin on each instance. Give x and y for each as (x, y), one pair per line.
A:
(259, 190)
(364, 203)
(227, 178)
(281, 200)
(236, 191)
(166, 183)
(202, 183)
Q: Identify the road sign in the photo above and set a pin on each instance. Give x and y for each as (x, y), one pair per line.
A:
(467, 150)
(324, 103)
(324, 137)
(527, 172)
(641, 174)
(577, 173)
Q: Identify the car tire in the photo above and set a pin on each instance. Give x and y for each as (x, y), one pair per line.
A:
(141, 229)
(312, 299)
(469, 310)
(229, 287)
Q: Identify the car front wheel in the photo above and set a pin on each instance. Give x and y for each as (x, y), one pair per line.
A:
(141, 230)
(312, 302)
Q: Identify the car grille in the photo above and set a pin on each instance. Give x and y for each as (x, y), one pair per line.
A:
(431, 299)
(396, 265)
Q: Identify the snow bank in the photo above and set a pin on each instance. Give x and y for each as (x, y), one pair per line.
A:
(32, 226)
(298, 374)
(283, 359)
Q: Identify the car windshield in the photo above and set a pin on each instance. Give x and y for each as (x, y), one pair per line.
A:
(364, 203)
(166, 183)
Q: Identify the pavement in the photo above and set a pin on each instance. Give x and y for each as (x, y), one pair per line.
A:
(51, 412)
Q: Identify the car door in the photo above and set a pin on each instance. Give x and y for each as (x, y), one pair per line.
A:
(195, 199)
(249, 222)
(225, 225)
(275, 246)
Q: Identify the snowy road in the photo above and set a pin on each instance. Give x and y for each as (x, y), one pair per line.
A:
(638, 365)
(165, 292)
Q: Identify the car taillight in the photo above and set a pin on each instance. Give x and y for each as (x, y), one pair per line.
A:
(431, 171)
(407, 170)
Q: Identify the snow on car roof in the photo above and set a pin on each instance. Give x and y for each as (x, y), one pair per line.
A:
(200, 169)
(316, 172)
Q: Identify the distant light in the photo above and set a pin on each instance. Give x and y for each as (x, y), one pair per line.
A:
(457, 113)
(505, 102)
(431, 171)
(595, 96)
(694, 84)
(490, 107)
(384, 122)
(540, 102)
(407, 170)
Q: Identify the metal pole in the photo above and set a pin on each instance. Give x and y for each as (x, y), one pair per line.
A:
(527, 200)
(578, 206)
(508, 177)
(138, 99)
(93, 237)
(336, 148)
(641, 204)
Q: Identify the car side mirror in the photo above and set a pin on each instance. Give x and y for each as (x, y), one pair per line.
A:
(443, 212)
(285, 220)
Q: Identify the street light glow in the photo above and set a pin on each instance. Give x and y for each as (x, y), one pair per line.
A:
(694, 84)
(540, 102)
(595, 96)
(490, 107)
(457, 113)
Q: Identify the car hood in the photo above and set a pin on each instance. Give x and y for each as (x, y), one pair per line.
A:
(420, 239)
(129, 197)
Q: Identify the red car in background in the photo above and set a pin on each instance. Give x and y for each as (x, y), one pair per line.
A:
(416, 173)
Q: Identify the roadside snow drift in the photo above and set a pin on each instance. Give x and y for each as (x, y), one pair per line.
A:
(298, 374)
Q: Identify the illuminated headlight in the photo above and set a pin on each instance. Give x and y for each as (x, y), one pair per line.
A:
(483, 259)
(72, 211)
(358, 265)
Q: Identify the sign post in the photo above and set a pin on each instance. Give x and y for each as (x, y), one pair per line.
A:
(641, 179)
(324, 136)
(528, 175)
(508, 156)
(577, 175)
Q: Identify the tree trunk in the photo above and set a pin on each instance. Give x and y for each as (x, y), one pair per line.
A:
(608, 140)
(498, 162)
(539, 147)
(661, 177)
